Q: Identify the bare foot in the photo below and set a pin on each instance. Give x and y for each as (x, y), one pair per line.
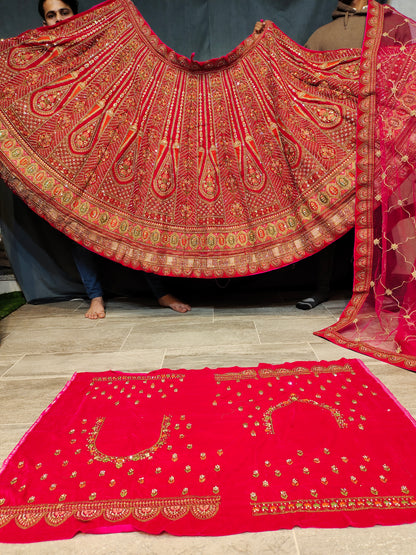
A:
(96, 310)
(169, 301)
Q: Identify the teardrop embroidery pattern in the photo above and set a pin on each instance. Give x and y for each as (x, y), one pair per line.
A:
(209, 187)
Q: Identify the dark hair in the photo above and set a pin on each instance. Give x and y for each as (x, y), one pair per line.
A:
(73, 4)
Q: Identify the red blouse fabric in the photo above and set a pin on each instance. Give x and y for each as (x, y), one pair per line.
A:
(213, 452)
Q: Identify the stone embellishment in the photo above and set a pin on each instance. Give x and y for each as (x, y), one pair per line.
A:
(268, 415)
(139, 456)
(201, 508)
(342, 504)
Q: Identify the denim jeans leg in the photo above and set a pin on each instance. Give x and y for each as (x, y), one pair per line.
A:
(87, 264)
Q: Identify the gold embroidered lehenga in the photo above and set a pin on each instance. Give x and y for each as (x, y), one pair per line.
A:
(228, 167)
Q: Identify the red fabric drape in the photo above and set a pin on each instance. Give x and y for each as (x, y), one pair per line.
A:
(380, 320)
(213, 452)
(228, 167)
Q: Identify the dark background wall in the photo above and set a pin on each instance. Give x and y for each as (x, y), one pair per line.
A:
(210, 28)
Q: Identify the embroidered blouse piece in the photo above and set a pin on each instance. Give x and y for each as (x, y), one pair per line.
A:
(212, 452)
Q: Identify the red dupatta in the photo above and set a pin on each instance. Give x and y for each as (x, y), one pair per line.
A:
(380, 319)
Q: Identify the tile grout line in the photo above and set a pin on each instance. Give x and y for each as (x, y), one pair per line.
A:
(257, 332)
(11, 379)
(162, 362)
(12, 366)
(125, 340)
(296, 541)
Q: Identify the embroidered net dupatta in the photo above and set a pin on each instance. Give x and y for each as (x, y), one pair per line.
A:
(380, 319)
(228, 167)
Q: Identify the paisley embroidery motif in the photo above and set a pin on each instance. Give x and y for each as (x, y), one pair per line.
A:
(82, 139)
(327, 116)
(163, 183)
(124, 167)
(208, 174)
(22, 57)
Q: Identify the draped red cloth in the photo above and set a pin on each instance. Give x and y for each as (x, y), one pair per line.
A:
(380, 319)
(213, 452)
(228, 167)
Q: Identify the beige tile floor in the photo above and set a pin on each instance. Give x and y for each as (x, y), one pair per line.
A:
(41, 346)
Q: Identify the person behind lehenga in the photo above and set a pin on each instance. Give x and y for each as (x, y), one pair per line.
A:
(52, 12)
(345, 31)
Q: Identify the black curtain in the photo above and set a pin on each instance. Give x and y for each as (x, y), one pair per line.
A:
(209, 28)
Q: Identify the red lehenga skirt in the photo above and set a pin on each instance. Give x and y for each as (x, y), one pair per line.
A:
(228, 167)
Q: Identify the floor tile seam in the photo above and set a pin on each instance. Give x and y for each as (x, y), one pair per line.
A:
(348, 352)
(24, 318)
(257, 332)
(32, 316)
(82, 304)
(278, 345)
(213, 316)
(75, 352)
(3, 336)
(189, 324)
(12, 366)
(67, 376)
(162, 362)
(266, 318)
(64, 373)
(295, 539)
(42, 331)
(211, 344)
(87, 352)
(300, 327)
(192, 319)
(120, 350)
(34, 377)
(70, 373)
(303, 342)
(397, 381)
(153, 319)
(157, 309)
(7, 427)
(196, 351)
(73, 328)
(295, 316)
